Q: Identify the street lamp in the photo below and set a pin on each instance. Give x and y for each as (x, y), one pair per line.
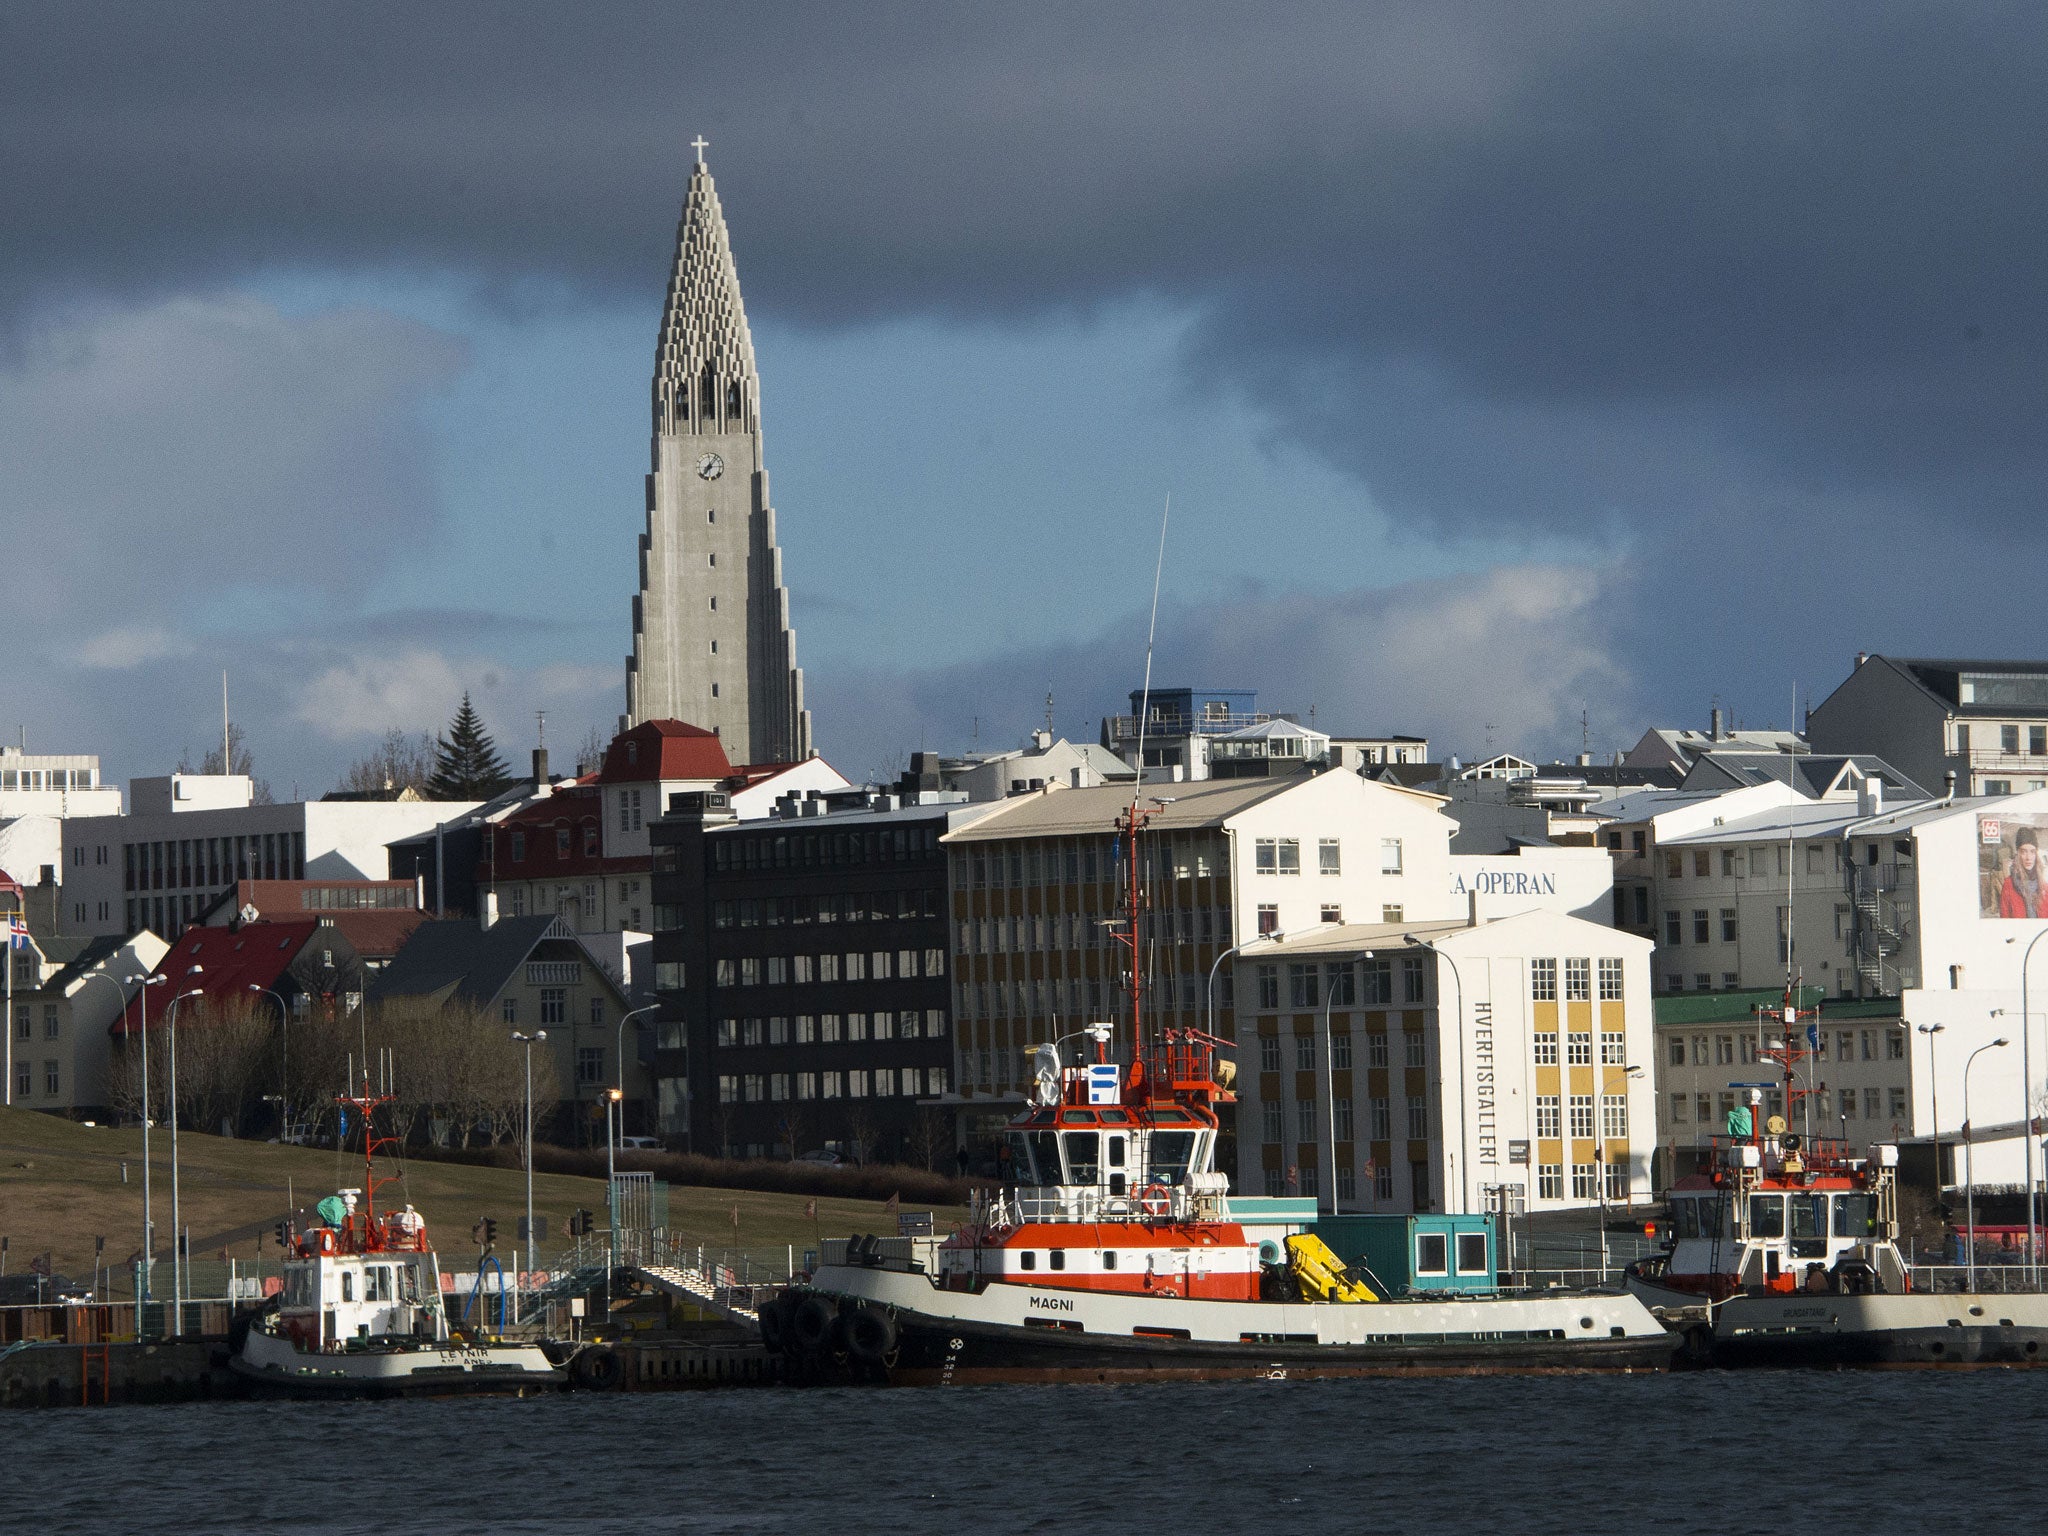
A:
(1600, 1151)
(613, 1099)
(1330, 979)
(1464, 1163)
(142, 984)
(177, 1220)
(284, 1032)
(1209, 996)
(2027, 1103)
(1970, 1161)
(529, 1041)
(1933, 1101)
(620, 1094)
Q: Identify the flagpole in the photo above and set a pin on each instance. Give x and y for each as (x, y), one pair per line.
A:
(7, 1097)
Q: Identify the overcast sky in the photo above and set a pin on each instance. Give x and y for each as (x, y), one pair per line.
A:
(1521, 375)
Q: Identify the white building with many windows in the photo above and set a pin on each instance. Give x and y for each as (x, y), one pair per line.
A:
(1433, 1066)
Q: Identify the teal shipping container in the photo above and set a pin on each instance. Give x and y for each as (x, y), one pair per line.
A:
(1421, 1253)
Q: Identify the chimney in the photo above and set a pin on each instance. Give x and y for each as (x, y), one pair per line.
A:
(1948, 785)
(1862, 657)
(1041, 739)
(540, 765)
(1869, 796)
(1585, 759)
(487, 909)
(1717, 719)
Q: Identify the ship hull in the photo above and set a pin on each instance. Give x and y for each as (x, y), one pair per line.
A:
(896, 1327)
(275, 1366)
(1925, 1330)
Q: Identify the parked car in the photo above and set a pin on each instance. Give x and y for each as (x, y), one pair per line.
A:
(826, 1156)
(639, 1143)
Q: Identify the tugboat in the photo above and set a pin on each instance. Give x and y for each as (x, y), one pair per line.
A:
(1784, 1251)
(360, 1312)
(1116, 1257)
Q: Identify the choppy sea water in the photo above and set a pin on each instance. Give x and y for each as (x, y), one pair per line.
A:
(1712, 1452)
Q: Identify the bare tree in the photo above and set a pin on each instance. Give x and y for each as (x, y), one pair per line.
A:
(237, 759)
(399, 761)
(862, 1129)
(590, 756)
(223, 1048)
(931, 1133)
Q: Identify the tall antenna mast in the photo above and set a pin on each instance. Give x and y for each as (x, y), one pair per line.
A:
(227, 753)
(1151, 633)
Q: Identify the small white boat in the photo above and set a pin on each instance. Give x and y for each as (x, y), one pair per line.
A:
(361, 1313)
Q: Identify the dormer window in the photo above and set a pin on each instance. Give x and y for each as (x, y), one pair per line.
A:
(632, 753)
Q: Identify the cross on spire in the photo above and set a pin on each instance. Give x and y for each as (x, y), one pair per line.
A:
(699, 144)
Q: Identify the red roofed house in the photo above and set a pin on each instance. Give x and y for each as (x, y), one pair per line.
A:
(376, 916)
(583, 855)
(301, 965)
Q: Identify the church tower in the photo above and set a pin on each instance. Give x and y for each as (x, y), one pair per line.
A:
(712, 644)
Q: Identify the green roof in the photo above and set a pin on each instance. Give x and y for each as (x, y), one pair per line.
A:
(1741, 1007)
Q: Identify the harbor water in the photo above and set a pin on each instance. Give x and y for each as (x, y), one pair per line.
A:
(1709, 1452)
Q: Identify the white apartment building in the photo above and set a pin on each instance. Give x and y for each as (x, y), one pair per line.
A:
(1036, 883)
(188, 837)
(1901, 918)
(1447, 1066)
(37, 791)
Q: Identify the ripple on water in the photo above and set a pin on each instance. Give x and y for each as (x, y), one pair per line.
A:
(1588, 1454)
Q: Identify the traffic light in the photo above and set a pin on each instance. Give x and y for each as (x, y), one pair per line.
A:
(490, 1231)
(284, 1234)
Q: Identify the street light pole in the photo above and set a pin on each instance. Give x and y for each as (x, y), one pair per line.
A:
(624, 1020)
(2027, 1108)
(142, 985)
(1330, 979)
(1970, 1162)
(1934, 1101)
(613, 1100)
(1600, 1148)
(529, 1041)
(177, 1219)
(284, 1086)
(1464, 1162)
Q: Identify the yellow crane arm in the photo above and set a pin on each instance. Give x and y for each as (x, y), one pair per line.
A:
(1321, 1274)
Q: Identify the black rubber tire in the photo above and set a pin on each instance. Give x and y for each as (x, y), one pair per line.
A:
(775, 1325)
(813, 1324)
(870, 1334)
(598, 1369)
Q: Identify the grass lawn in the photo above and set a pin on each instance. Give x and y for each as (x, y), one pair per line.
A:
(61, 1184)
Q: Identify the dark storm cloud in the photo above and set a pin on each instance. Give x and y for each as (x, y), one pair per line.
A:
(1751, 291)
(1535, 264)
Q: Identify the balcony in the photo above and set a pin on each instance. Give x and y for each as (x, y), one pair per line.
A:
(554, 973)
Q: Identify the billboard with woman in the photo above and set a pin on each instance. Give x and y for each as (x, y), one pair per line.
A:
(2012, 876)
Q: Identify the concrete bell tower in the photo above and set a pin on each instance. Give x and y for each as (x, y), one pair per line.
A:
(712, 644)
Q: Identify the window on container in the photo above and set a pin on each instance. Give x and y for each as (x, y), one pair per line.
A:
(1432, 1253)
(1471, 1253)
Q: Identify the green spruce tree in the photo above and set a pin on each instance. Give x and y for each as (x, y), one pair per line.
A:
(466, 761)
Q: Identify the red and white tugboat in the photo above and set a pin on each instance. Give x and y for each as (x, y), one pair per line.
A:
(1784, 1251)
(361, 1315)
(1115, 1257)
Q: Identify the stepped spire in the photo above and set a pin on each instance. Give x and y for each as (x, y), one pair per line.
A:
(712, 643)
(704, 379)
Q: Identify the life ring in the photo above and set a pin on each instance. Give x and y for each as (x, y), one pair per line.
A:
(812, 1325)
(598, 1369)
(870, 1334)
(1155, 1199)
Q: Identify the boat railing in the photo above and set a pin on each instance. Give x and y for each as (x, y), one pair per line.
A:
(1989, 1277)
(1087, 1203)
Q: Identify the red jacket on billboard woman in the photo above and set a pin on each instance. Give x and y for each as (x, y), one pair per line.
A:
(2024, 894)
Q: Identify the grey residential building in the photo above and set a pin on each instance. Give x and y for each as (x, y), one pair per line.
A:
(1984, 721)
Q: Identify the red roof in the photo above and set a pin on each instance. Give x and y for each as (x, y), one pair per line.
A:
(664, 749)
(376, 934)
(230, 961)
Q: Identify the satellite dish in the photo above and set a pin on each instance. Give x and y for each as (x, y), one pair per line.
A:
(1775, 1125)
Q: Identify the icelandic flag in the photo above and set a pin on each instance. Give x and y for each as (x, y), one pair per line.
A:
(17, 931)
(1103, 1084)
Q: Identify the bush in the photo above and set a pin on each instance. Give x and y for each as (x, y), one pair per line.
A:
(914, 1186)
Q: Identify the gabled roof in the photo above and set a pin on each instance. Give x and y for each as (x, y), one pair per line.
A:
(663, 749)
(1812, 774)
(231, 961)
(1942, 677)
(459, 958)
(90, 957)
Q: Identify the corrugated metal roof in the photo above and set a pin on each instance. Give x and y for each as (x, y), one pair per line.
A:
(1071, 812)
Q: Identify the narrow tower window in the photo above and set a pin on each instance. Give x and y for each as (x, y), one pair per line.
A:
(732, 399)
(707, 393)
(711, 516)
